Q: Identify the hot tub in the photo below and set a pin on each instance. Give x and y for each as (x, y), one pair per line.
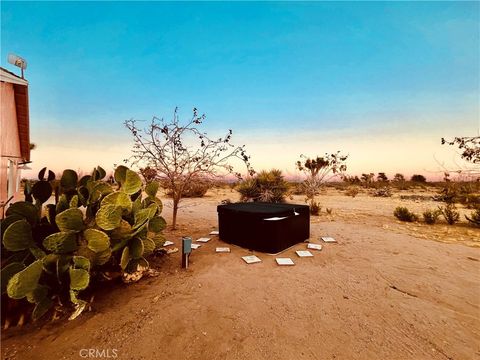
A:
(265, 227)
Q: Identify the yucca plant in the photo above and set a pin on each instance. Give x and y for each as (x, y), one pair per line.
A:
(266, 186)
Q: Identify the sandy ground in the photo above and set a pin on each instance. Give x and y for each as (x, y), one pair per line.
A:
(386, 290)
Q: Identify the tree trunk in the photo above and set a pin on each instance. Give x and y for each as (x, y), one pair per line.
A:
(175, 210)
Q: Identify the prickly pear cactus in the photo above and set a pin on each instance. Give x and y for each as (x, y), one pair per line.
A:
(93, 226)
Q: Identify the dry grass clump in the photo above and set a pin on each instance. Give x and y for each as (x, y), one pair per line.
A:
(403, 214)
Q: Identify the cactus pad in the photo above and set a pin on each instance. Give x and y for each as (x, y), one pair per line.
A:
(8, 271)
(97, 240)
(79, 279)
(61, 242)
(125, 258)
(41, 191)
(109, 217)
(136, 248)
(132, 183)
(69, 179)
(152, 188)
(157, 224)
(24, 209)
(120, 199)
(25, 281)
(18, 236)
(70, 219)
(120, 174)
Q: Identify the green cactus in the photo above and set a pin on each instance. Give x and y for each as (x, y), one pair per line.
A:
(61, 243)
(74, 201)
(119, 199)
(68, 180)
(24, 209)
(79, 278)
(70, 220)
(132, 183)
(109, 217)
(97, 240)
(7, 273)
(98, 173)
(136, 248)
(42, 190)
(152, 188)
(91, 227)
(120, 174)
(148, 246)
(125, 258)
(62, 204)
(18, 236)
(41, 175)
(80, 262)
(157, 224)
(25, 281)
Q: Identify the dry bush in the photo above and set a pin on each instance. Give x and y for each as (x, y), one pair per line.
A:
(352, 191)
(450, 213)
(382, 192)
(474, 217)
(315, 208)
(403, 214)
(431, 216)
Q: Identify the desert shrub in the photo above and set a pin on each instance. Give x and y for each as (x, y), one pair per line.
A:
(350, 179)
(352, 191)
(450, 213)
(382, 192)
(403, 214)
(296, 188)
(266, 186)
(382, 177)
(431, 216)
(474, 217)
(92, 229)
(368, 180)
(471, 201)
(315, 208)
(418, 178)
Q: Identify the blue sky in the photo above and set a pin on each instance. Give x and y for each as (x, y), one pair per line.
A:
(381, 81)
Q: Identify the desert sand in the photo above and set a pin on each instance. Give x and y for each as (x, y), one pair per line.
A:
(385, 290)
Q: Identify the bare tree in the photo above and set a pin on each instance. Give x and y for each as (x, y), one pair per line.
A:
(470, 154)
(181, 154)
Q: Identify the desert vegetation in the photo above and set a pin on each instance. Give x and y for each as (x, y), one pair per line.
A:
(317, 171)
(266, 186)
(53, 252)
(180, 155)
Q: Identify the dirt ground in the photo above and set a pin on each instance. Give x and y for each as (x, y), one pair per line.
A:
(385, 290)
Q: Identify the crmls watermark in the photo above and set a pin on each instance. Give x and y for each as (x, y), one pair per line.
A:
(98, 353)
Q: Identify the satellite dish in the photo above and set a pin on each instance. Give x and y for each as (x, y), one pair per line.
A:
(17, 61)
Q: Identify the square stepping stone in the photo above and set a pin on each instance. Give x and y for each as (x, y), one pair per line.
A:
(314, 246)
(251, 259)
(222, 250)
(203, 240)
(284, 261)
(304, 253)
